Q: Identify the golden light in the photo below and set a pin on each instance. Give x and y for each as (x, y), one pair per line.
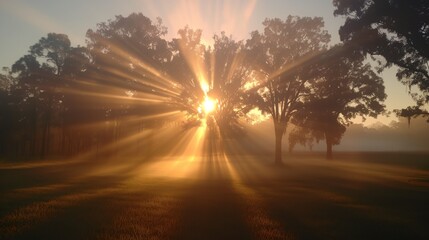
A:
(209, 105)
(204, 86)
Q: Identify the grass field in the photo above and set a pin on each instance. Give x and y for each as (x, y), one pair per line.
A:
(221, 195)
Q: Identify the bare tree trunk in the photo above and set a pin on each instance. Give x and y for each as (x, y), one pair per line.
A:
(278, 150)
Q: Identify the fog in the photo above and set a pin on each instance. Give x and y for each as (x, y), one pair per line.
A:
(396, 136)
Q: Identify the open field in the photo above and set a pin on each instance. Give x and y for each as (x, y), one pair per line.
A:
(222, 195)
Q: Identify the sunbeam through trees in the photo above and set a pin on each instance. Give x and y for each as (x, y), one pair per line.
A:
(157, 128)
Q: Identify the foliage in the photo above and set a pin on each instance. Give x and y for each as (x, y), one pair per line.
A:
(228, 74)
(397, 30)
(187, 68)
(129, 80)
(346, 88)
(411, 112)
(280, 56)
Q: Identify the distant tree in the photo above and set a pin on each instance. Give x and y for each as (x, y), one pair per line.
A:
(6, 80)
(397, 30)
(279, 56)
(346, 88)
(303, 136)
(411, 112)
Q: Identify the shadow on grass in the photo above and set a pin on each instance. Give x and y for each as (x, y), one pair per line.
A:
(232, 191)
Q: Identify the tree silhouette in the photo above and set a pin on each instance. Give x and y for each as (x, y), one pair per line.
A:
(41, 77)
(28, 102)
(228, 73)
(397, 30)
(129, 79)
(411, 112)
(279, 55)
(129, 57)
(52, 51)
(6, 111)
(187, 68)
(347, 88)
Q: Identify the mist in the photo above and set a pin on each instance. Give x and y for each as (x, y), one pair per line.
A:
(396, 136)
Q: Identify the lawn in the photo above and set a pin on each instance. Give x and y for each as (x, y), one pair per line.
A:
(221, 195)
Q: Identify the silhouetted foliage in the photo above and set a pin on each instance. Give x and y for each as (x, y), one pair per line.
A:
(40, 78)
(129, 81)
(187, 68)
(411, 112)
(280, 56)
(228, 73)
(129, 57)
(346, 88)
(397, 30)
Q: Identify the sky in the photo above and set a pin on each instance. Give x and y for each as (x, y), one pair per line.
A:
(24, 22)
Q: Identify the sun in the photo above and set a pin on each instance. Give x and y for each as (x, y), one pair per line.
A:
(209, 105)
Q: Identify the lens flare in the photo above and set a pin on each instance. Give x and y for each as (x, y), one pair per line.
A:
(209, 105)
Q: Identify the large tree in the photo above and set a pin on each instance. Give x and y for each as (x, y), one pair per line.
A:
(188, 69)
(347, 88)
(280, 56)
(227, 73)
(397, 30)
(128, 73)
(128, 55)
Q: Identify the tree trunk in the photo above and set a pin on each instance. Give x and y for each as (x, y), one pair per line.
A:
(278, 151)
(328, 147)
(45, 135)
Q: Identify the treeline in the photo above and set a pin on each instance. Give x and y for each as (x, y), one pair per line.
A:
(62, 100)
(129, 80)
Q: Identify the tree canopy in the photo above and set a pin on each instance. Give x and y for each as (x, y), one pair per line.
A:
(280, 56)
(397, 30)
(346, 89)
(129, 80)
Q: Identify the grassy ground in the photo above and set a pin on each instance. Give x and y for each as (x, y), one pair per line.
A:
(222, 194)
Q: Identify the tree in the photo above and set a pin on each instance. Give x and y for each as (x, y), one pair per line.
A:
(6, 110)
(131, 88)
(188, 69)
(41, 77)
(411, 112)
(347, 88)
(27, 102)
(129, 53)
(280, 56)
(228, 73)
(52, 52)
(397, 30)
